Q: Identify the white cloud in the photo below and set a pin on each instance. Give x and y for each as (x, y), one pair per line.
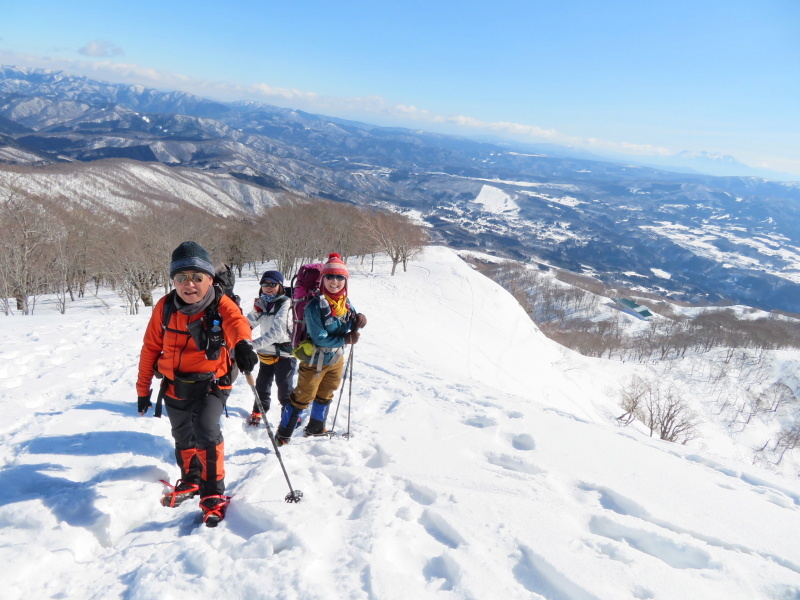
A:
(100, 48)
(277, 92)
(522, 130)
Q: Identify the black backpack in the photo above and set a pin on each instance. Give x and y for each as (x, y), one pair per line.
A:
(224, 278)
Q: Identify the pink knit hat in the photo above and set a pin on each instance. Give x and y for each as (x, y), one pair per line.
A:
(335, 266)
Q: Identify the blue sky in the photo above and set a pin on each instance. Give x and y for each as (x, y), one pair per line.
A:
(640, 78)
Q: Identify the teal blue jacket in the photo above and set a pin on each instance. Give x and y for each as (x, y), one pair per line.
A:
(328, 335)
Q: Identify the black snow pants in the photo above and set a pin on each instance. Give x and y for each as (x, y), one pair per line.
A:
(281, 372)
(199, 447)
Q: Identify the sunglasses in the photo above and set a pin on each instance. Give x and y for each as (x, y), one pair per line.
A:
(270, 284)
(335, 277)
(193, 277)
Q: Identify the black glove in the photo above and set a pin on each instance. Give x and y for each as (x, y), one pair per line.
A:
(246, 357)
(352, 337)
(144, 403)
(359, 321)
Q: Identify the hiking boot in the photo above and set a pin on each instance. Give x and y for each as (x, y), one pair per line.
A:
(310, 433)
(315, 427)
(255, 419)
(214, 508)
(181, 492)
(281, 441)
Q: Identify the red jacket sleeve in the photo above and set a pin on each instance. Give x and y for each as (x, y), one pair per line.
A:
(235, 325)
(151, 349)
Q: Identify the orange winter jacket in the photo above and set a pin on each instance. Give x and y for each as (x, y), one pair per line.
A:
(169, 351)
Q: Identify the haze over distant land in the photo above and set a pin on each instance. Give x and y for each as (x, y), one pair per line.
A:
(649, 82)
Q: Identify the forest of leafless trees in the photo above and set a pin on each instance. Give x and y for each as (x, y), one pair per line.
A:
(566, 307)
(737, 371)
(60, 248)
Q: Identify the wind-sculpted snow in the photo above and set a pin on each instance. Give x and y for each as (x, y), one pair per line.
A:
(484, 463)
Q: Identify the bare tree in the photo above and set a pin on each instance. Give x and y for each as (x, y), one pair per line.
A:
(24, 250)
(411, 239)
(62, 266)
(284, 237)
(632, 396)
(236, 244)
(788, 439)
(340, 229)
(395, 234)
(662, 410)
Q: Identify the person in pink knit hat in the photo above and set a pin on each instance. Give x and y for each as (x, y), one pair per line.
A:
(331, 322)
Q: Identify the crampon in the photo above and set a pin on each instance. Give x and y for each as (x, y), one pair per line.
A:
(214, 508)
(180, 492)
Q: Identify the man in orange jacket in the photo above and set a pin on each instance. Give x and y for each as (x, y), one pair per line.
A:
(191, 353)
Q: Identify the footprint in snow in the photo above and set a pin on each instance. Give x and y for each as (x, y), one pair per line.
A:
(513, 463)
(379, 460)
(568, 415)
(443, 568)
(338, 476)
(440, 530)
(678, 555)
(782, 497)
(540, 577)
(420, 494)
(615, 502)
(523, 441)
(663, 546)
(480, 422)
(642, 593)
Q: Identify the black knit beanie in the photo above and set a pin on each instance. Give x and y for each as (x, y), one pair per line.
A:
(275, 276)
(190, 256)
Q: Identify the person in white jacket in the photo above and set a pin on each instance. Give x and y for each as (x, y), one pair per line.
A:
(272, 330)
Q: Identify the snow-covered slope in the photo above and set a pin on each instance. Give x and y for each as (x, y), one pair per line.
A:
(484, 464)
(124, 185)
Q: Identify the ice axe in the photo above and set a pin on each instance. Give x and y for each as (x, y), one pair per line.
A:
(293, 495)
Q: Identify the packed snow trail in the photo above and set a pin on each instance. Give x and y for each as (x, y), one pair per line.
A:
(483, 465)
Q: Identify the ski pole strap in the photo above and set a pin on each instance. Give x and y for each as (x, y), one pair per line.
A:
(162, 390)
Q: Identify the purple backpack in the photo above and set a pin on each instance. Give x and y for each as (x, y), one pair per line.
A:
(305, 287)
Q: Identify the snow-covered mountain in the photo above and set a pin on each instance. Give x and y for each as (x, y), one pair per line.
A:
(485, 462)
(731, 238)
(123, 186)
(714, 163)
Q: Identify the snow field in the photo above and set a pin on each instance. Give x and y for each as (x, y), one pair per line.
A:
(484, 463)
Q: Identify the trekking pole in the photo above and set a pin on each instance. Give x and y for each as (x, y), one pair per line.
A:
(341, 391)
(348, 366)
(293, 495)
(349, 394)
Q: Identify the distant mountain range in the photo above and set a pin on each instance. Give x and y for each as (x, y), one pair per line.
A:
(695, 237)
(714, 163)
(692, 163)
